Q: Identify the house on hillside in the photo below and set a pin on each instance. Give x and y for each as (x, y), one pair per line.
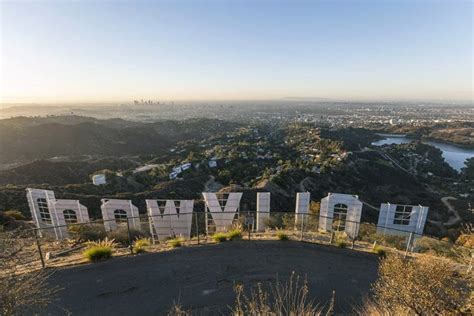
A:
(212, 163)
(99, 179)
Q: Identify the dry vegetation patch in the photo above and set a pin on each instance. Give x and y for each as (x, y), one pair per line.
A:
(21, 293)
(422, 286)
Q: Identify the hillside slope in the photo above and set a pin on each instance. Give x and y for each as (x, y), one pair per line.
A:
(27, 139)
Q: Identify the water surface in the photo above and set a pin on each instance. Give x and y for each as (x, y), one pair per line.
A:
(455, 156)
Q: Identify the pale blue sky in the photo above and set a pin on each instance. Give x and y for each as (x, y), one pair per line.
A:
(119, 51)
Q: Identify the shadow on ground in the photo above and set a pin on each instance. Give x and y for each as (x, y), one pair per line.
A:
(202, 277)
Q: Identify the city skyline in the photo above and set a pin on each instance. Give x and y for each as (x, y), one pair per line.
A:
(208, 50)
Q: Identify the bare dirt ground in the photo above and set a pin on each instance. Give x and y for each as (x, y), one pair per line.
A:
(202, 277)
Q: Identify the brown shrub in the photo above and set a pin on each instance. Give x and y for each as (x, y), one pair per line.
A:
(21, 293)
(466, 238)
(421, 286)
(288, 298)
(121, 235)
(87, 232)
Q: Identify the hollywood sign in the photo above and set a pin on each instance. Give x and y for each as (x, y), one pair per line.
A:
(221, 209)
(116, 212)
(174, 218)
(49, 212)
(170, 218)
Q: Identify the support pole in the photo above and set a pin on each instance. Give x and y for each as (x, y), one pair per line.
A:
(43, 265)
(197, 225)
(470, 263)
(408, 245)
(206, 220)
(129, 237)
(302, 226)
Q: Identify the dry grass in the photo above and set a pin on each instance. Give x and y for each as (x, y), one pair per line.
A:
(141, 244)
(282, 236)
(97, 253)
(178, 310)
(99, 250)
(422, 286)
(21, 293)
(176, 242)
(219, 237)
(106, 242)
(369, 307)
(234, 234)
(381, 251)
(283, 298)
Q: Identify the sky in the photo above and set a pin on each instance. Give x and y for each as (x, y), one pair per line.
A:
(103, 51)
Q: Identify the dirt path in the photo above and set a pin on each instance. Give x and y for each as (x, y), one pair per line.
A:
(453, 220)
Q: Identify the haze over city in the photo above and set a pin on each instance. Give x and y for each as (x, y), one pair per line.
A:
(58, 51)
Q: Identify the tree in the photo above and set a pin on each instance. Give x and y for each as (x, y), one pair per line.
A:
(468, 171)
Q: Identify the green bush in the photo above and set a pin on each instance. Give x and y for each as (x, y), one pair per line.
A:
(282, 236)
(15, 214)
(234, 234)
(97, 253)
(341, 244)
(139, 245)
(219, 237)
(88, 232)
(142, 242)
(381, 251)
(138, 250)
(176, 242)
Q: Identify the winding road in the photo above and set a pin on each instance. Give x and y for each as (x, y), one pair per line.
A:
(456, 218)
